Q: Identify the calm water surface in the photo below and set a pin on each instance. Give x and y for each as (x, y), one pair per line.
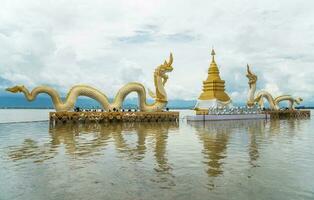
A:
(217, 160)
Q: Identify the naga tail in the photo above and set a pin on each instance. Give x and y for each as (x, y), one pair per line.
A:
(16, 89)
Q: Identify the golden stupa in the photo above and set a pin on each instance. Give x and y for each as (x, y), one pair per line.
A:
(213, 94)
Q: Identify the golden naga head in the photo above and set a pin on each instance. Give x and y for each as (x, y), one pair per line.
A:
(252, 77)
(167, 66)
(16, 89)
(298, 100)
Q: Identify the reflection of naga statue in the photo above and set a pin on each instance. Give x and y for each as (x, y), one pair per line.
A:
(160, 79)
(259, 97)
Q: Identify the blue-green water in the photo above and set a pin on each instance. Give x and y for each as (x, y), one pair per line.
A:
(216, 160)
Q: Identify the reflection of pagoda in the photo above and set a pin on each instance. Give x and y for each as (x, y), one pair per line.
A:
(213, 94)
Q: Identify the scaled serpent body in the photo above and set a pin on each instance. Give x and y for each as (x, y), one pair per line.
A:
(68, 103)
(261, 95)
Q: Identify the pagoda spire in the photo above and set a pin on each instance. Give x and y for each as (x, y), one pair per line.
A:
(213, 71)
(213, 53)
(213, 86)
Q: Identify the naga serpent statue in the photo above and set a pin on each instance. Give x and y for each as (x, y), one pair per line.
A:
(259, 97)
(160, 96)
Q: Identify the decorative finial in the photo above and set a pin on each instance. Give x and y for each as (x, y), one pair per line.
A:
(213, 54)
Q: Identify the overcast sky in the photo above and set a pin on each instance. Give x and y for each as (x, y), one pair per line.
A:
(109, 43)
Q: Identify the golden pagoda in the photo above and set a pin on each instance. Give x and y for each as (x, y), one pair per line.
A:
(213, 94)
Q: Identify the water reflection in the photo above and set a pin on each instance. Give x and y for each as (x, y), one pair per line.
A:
(87, 139)
(31, 149)
(216, 136)
(131, 141)
(292, 126)
(232, 159)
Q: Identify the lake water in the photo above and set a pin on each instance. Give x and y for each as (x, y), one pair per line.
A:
(214, 160)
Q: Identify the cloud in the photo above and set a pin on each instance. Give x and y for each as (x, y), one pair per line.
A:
(4, 83)
(109, 43)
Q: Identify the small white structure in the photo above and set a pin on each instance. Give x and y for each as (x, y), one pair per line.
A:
(213, 103)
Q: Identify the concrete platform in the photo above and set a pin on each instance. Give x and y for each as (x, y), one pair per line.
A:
(108, 117)
(279, 114)
(227, 117)
(289, 114)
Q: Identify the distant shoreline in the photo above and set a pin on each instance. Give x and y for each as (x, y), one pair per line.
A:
(22, 108)
(173, 108)
(45, 108)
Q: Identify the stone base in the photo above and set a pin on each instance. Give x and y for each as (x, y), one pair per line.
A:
(108, 117)
(289, 114)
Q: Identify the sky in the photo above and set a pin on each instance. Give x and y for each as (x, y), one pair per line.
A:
(107, 44)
